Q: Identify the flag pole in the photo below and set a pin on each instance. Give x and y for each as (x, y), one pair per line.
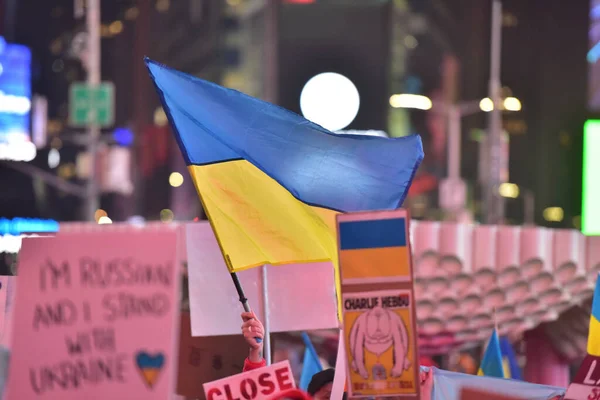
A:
(240, 291)
(266, 315)
(236, 281)
(495, 321)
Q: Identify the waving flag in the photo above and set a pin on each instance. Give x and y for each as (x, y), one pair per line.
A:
(270, 181)
(491, 364)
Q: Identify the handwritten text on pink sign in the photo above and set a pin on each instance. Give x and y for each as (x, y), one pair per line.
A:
(94, 315)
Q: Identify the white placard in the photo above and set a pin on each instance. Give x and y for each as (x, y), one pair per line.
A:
(214, 304)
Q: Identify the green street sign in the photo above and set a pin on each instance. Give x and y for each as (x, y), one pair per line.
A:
(91, 105)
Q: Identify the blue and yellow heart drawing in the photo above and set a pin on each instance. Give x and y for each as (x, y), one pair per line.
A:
(149, 366)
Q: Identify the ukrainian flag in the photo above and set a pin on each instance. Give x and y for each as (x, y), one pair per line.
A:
(312, 363)
(509, 360)
(491, 364)
(270, 181)
(593, 345)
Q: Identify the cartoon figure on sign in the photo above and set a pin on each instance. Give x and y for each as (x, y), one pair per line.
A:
(376, 331)
(149, 366)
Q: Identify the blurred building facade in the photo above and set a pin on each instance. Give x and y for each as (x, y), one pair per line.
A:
(437, 48)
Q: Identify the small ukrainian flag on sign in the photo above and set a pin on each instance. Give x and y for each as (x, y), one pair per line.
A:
(374, 249)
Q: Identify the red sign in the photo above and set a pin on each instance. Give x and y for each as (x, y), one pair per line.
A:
(256, 384)
(586, 385)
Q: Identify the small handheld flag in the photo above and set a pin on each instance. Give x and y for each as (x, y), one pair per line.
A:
(311, 364)
(491, 363)
(509, 360)
(593, 344)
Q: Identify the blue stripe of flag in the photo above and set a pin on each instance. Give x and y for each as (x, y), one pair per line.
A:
(372, 234)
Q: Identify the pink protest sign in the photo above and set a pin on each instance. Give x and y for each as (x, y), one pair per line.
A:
(95, 317)
(257, 384)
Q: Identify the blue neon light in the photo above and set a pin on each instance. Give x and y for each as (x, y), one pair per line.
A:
(21, 226)
(15, 91)
(123, 136)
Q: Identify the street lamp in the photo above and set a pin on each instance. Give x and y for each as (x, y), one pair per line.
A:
(453, 189)
(406, 100)
(508, 104)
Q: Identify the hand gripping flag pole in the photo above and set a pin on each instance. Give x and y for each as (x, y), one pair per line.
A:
(240, 291)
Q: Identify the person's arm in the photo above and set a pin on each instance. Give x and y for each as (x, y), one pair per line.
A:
(252, 328)
(426, 384)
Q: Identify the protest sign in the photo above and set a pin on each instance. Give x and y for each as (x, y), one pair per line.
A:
(378, 329)
(94, 317)
(260, 383)
(586, 384)
(205, 359)
(378, 305)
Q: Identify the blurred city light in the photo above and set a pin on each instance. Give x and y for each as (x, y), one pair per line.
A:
(123, 136)
(509, 190)
(15, 103)
(160, 118)
(166, 215)
(132, 13)
(590, 196)
(330, 100)
(115, 28)
(512, 104)
(99, 214)
(136, 220)
(104, 220)
(410, 42)
(163, 5)
(175, 179)
(406, 100)
(10, 244)
(486, 104)
(53, 158)
(10, 104)
(508, 104)
(554, 214)
(21, 150)
(20, 226)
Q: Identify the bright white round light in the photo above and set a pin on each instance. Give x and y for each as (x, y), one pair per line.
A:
(53, 158)
(330, 100)
(104, 220)
(486, 104)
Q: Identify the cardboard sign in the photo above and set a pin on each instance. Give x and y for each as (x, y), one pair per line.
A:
(379, 342)
(374, 247)
(94, 317)
(205, 359)
(586, 385)
(260, 383)
(378, 305)
(478, 394)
